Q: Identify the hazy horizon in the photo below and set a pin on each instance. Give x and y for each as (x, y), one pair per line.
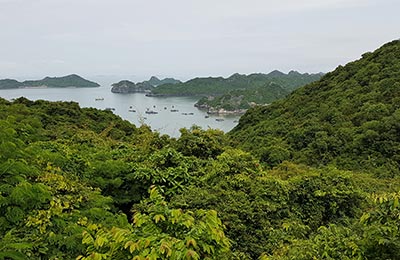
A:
(186, 39)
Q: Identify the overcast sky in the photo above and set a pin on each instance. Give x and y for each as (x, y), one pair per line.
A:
(188, 38)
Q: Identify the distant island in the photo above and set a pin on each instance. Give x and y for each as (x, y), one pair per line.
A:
(72, 80)
(126, 86)
(238, 92)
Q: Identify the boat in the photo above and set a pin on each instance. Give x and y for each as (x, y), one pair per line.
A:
(185, 114)
(131, 110)
(174, 110)
(109, 109)
(151, 112)
(99, 99)
(165, 108)
(206, 116)
(190, 114)
(219, 119)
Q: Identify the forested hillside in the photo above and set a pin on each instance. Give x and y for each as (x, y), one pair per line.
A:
(349, 118)
(72, 80)
(80, 183)
(220, 85)
(238, 91)
(244, 98)
(126, 86)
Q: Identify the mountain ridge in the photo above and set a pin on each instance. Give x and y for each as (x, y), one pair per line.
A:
(72, 80)
(347, 118)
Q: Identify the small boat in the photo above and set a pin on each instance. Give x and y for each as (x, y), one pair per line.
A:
(151, 112)
(165, 108)
(130, 106)
(219, 119)
(131, 110)
(207, 116)
(109, 109)
(190, 114)
(174, 110)
(154, 106)
(185, 114)
(99, 99)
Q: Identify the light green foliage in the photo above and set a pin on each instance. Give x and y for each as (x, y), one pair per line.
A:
(72, 178)
(160, 232)
(381, 236)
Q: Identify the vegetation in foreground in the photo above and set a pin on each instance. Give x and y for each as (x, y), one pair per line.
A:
(82, 183)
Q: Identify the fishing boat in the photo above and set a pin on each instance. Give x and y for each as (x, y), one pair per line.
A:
(151, 112)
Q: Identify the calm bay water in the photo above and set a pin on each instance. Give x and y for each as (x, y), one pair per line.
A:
(165, 122)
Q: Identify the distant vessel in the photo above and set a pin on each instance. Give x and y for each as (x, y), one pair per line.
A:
(99, 99)
(207, 116)
(109, 109)
(219, 119)
(132, 110)
(151, 112)
(190, 114)
(185, 114)
(174, 110)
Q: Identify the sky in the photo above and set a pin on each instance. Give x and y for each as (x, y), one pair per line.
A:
(188, 38)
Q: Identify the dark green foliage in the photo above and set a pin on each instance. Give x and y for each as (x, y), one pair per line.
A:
(349, 118)
(245, 98)
(255, 206)
(219, 85)
(201, 143)
(74, 182)
(238, 91)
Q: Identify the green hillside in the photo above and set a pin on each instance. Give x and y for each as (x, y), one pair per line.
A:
(72, 80)
(218, 85)
(126, 86)
(244, 98)
(81, 183)
(349, 118)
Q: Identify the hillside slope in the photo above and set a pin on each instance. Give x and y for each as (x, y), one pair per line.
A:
(72, 80)
(126, 86)
(350, 118)
(243, 98)
(220, 85)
